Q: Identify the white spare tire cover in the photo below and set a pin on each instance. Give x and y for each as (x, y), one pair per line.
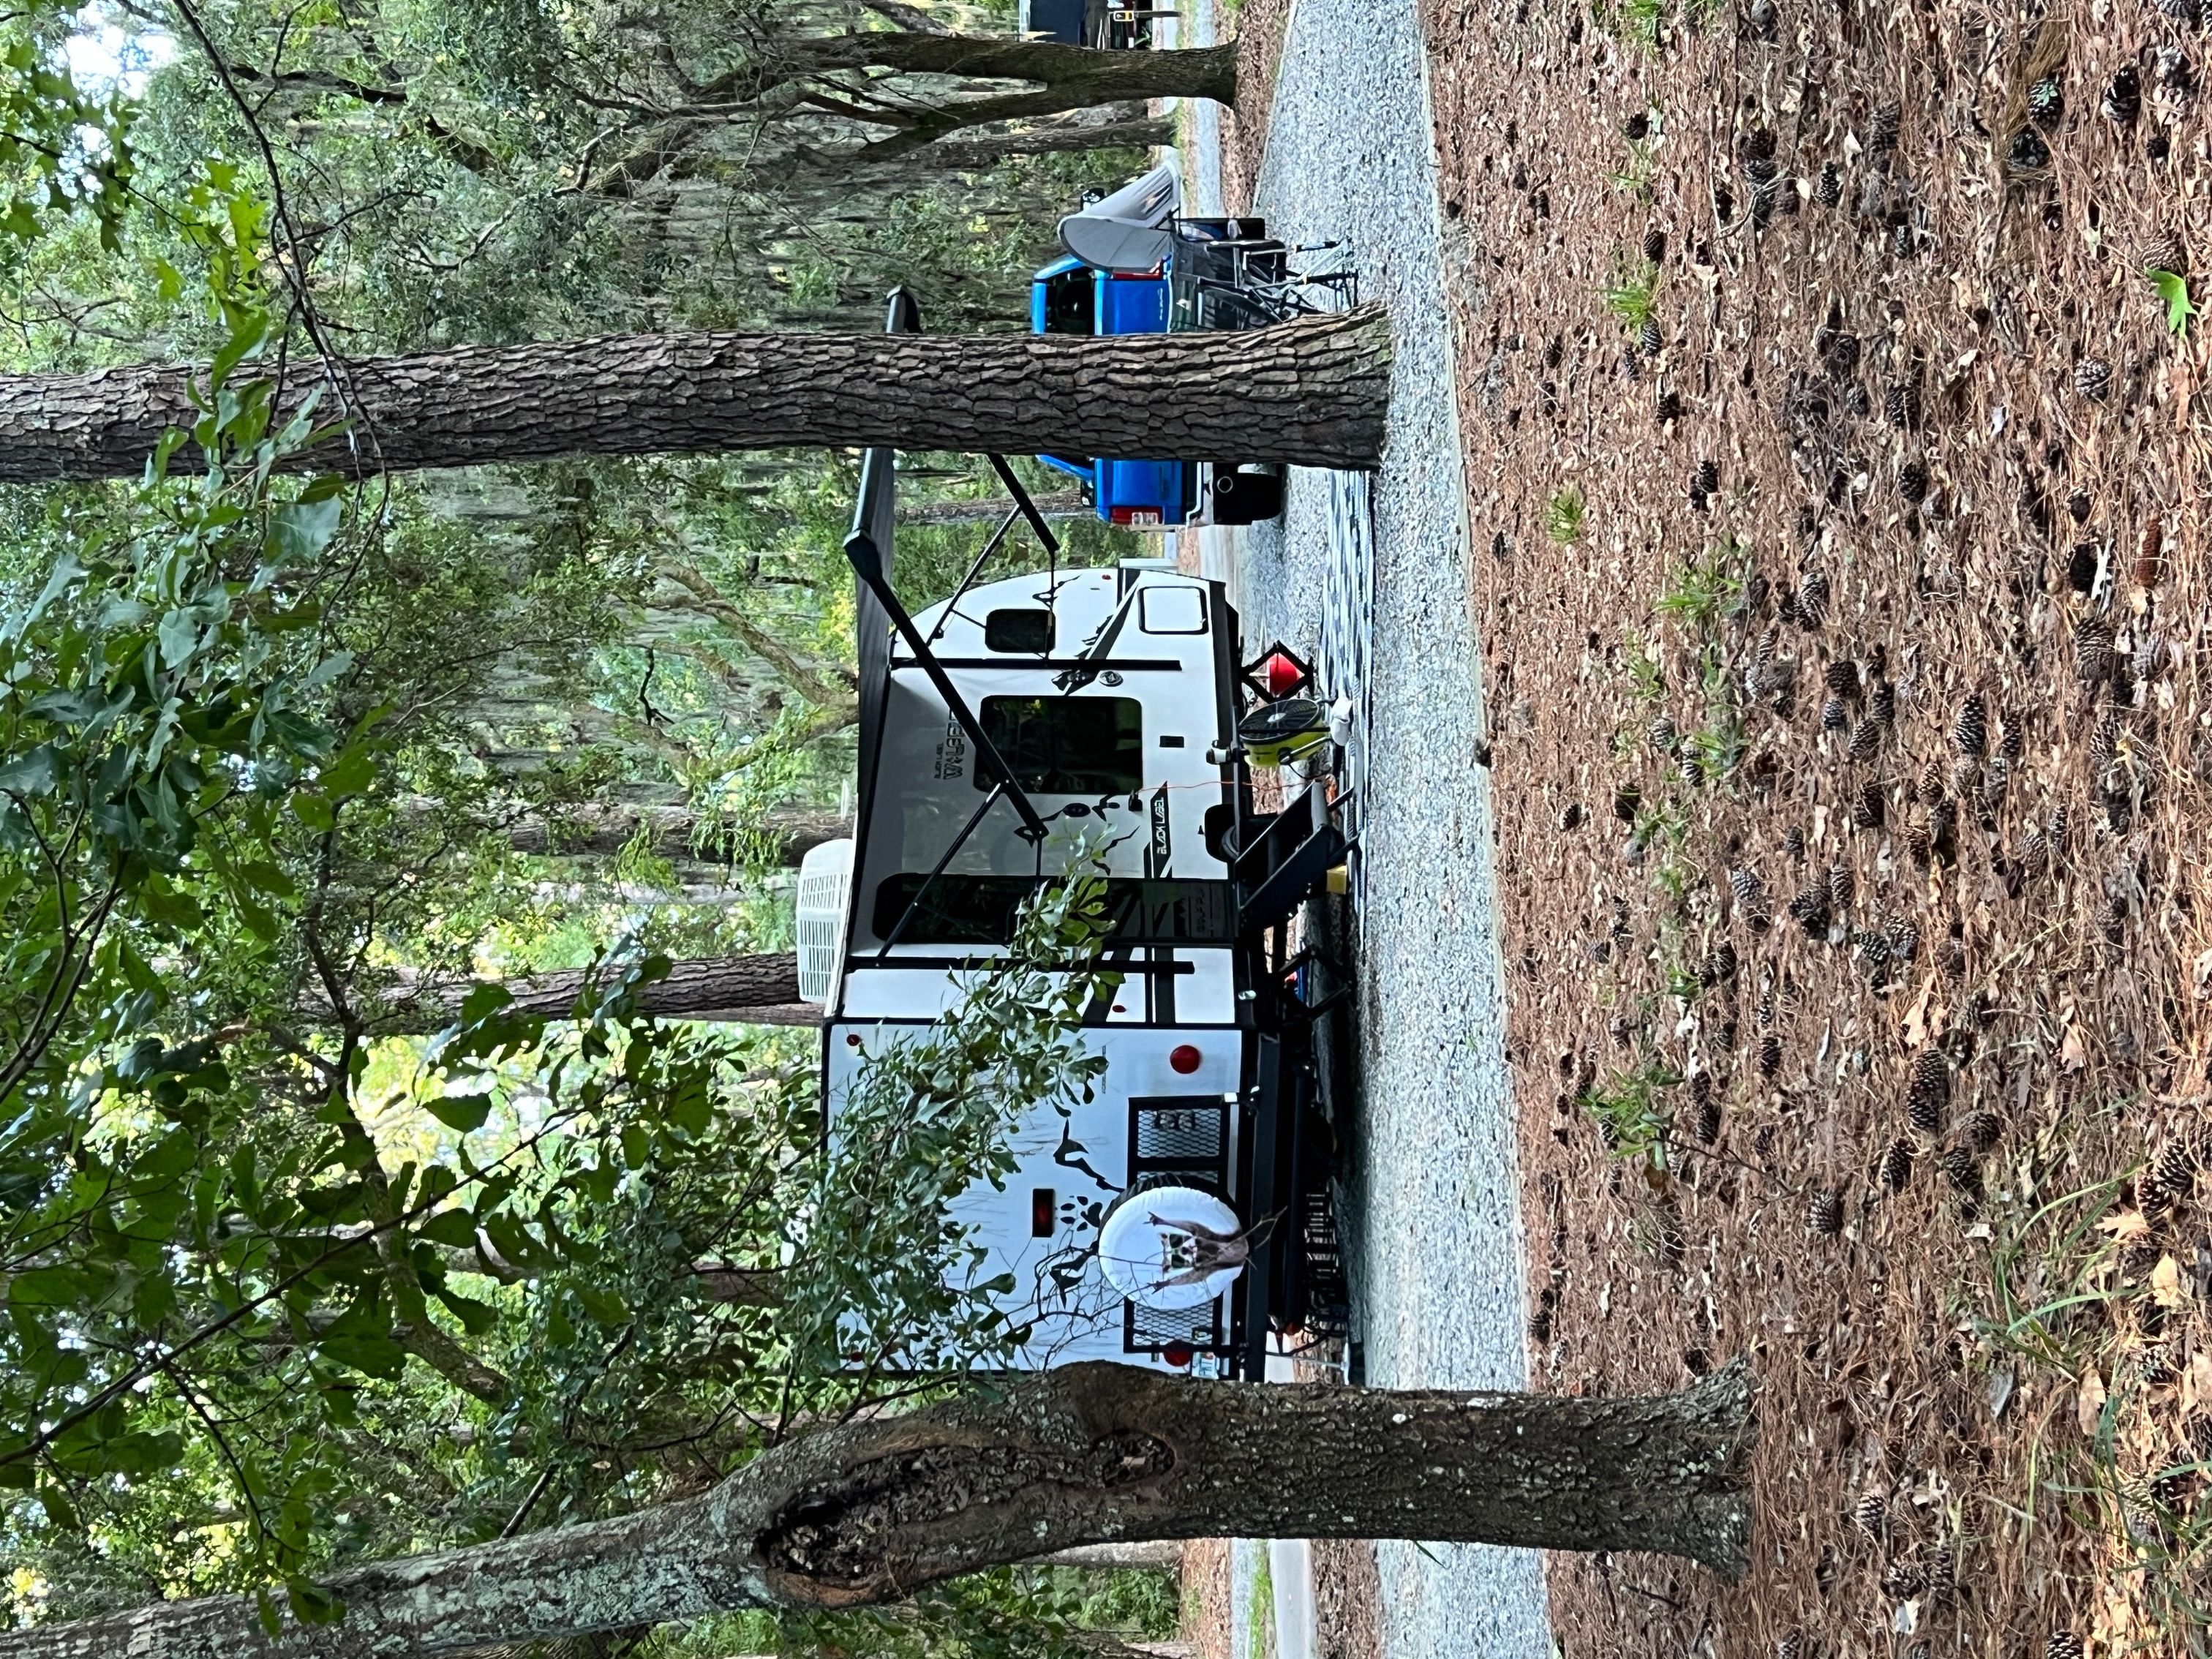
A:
(1150, 1245)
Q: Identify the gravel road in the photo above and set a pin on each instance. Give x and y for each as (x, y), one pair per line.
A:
(1433, 1220)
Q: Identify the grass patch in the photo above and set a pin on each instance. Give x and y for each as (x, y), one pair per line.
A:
(1626, 1107)
(1563, 515)
(1632, 292)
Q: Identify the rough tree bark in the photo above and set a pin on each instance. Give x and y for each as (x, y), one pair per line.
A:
(1310, 392)
(602, 831)
(711, 987)
(1089, 1453)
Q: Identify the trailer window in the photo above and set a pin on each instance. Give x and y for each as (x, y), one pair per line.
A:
(1068, 745)
(1069, 307)
(1022, 630)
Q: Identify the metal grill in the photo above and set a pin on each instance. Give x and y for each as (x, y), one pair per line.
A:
(1182, 1137)
(1149, 1330)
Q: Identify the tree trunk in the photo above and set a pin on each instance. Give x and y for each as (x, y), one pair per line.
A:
(1100, 76)
(976, 155)
(1160, 1556)
(1310, 392)
(713, 987)
(1068, 77)
(1095, 1453)
(604, 831)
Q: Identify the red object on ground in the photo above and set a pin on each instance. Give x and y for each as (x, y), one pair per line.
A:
(1184, 1059)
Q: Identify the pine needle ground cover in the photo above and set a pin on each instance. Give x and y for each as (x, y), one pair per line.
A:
(1850, 767)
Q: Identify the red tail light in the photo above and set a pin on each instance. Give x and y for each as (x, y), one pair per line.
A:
(1139, 516)
(1043, 1205)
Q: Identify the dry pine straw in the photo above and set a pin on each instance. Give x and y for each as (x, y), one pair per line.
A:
(2076, 1010)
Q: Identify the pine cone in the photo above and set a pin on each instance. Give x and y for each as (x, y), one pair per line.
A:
(1970, 733)
(1718, 967)
(1706, 480)
(1841, 677)
(2093, 379)
(1842, 885)
(1912, 481)
(1928, 1092)
(1834, 716)
(1764, 1012)
(1655, 244)
(1866, 741)
(1813, 601)
(1895, 1169)
(1872, 1513)
(2046, 103)
(1901, 404)
(1824, 1215)
(1751, 899)
(2014, 740)
(1829, 190)
(2111, 922)
(1944, 831)
(1884, 705)
(2177, 1168)
(2123, 98)
(1941, 1566)
(2093, 651)
(1810, 908)
(1903, 939)
(1867, 807)
(1668, 406)
(1649, 339)
(1791, 1646)
(1842, 353)
(2162, 251)
(1706, 1111)
(2063, 1645)
(1770, 1057)
(1918, 847)
(1793, 842)
(1960, 1169)
(1902, 1580)
(2077, 505)
(1881, 135)
(1664, 738)
(2034, 855)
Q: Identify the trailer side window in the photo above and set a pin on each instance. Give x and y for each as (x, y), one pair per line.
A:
(1069, 305)
(1068, 745)
(1025, 629)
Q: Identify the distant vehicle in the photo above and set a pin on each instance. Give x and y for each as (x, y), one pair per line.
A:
(1000, 728)
(1113, 27)
(1135, 266)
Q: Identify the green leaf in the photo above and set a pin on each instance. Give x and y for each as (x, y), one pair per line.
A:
(314, 813)
(350, 773)
(454, 1228)
(300, 530)
(476, 1317)
(463, 1113)
(603, 1305)
(2173, 289)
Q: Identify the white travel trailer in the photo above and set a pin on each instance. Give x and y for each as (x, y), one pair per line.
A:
(999, 729)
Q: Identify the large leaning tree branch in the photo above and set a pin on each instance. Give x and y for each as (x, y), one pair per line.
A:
(874, 1510)
(1310, 392)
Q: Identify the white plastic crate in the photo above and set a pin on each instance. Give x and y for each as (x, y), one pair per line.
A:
(825, 885)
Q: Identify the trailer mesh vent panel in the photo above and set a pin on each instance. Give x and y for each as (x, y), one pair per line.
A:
(1182, 1137)
(1151, 1330)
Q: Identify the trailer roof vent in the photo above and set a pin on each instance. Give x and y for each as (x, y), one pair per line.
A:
(825, 885)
